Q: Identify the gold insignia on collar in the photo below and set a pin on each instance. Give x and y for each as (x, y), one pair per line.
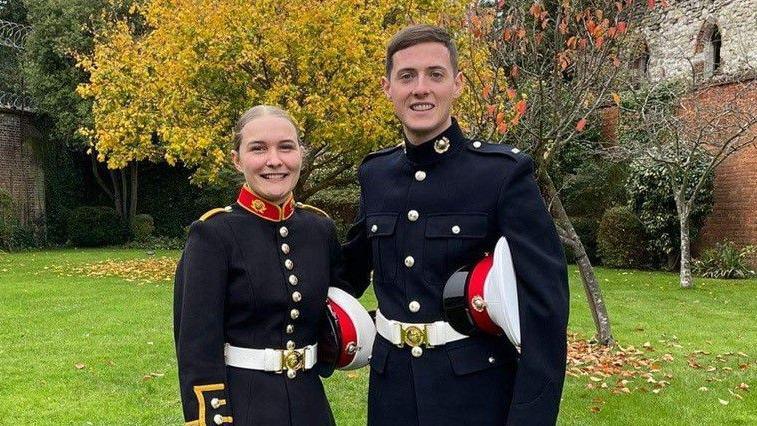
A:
(441, 145)
(258, 206)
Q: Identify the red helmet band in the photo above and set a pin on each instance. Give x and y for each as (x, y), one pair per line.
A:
(475, 297)
(349, 334)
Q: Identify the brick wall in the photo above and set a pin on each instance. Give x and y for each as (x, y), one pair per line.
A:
(20, 174)
(734, 214)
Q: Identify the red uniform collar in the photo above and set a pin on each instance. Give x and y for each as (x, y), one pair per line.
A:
(261, 207)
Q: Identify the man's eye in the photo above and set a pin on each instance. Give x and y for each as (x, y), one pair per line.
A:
(437, 75)
(287, 147)
(406, 76)
(257, 148)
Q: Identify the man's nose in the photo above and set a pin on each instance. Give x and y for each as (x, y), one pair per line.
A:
(421, 87)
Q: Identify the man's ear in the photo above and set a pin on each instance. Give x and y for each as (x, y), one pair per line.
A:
(385, 86)
(459, 84)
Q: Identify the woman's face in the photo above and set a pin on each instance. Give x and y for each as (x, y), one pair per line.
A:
(270, 157)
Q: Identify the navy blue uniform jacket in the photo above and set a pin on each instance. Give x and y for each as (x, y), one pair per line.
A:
(463, 199)
(233, 286)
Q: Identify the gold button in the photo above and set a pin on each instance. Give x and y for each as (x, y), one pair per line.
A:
(289, 264)
(420, 175)
(290, 345)
(455, 229)
(374, 228)
(417, 351)
(293, 280)
(291, 374)
(290, 328)
(283, 231)
(477, 144)
(294, 314)
(414, 306)
(285, 248)
(412, 215)
(296, 296)
(409, 261)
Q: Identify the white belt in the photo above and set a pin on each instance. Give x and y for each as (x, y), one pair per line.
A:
(272, 360)
(416, 334)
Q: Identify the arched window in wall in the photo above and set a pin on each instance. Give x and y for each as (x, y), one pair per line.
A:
(715, 43)
(709, 45)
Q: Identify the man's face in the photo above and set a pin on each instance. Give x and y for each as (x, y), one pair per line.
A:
(422, 87)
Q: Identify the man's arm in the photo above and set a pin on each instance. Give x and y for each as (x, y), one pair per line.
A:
(542, 281)
(357, 255)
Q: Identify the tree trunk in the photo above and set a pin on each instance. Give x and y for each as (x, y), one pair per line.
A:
(591, 285)
(116, 193)
(133, 196)
(124, 194)
(686, 281)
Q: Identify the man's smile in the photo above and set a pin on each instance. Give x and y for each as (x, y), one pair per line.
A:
(421, 106)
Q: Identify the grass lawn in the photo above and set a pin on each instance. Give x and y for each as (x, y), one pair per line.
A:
(80, 350)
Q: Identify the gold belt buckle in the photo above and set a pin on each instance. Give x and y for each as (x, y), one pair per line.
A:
(292, 360)
(413, 336)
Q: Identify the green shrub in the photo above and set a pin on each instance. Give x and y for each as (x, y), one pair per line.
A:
(620, 240)
(157, 243)
(651, 199)
(14, 235)
(96, 226)
(724, 261)
(142, 226)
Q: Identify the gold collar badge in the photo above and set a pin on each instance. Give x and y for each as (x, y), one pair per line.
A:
(258, 206)
(441, 145)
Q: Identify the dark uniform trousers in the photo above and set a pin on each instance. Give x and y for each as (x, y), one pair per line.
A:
(424, 212)
(235, 284)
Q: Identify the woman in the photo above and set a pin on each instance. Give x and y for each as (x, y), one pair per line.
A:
(251, 288)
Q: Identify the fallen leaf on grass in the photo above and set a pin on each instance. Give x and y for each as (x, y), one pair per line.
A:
(79, 366)
(723, 401)
(703, 389)
(743, 386)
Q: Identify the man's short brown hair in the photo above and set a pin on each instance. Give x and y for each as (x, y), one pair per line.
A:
(417, 34)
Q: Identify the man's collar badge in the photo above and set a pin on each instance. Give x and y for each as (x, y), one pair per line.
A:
(441, 145)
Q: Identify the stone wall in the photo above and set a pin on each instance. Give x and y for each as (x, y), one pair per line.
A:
(679, 42)
(20, 173)
(678, 37)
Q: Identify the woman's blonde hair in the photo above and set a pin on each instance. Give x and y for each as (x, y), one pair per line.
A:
(261, 111)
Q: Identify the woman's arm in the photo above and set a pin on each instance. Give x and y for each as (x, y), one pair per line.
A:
(199, 294)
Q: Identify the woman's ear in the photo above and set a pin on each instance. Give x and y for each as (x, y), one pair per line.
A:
(235, 159)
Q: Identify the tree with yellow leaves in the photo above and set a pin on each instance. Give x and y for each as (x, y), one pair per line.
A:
(174, 92)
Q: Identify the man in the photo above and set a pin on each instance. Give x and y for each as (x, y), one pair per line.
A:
(428, 207)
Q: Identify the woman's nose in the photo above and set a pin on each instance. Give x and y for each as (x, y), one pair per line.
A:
(273, 159)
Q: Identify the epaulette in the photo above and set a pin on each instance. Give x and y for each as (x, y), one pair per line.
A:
(313, 209)
(495, 148)
(213, 212)
(382, 152)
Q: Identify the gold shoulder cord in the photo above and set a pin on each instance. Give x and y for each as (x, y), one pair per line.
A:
(213, 212)
(313, 209)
